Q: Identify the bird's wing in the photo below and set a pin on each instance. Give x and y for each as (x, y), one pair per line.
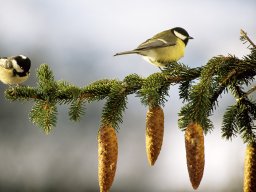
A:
(5, 63)
(163, 39)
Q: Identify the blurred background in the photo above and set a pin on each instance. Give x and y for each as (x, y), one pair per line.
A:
(78, 39)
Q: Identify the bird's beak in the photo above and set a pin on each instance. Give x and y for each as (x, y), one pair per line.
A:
(190, 37)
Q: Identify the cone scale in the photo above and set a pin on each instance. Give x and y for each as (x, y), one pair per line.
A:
(107, 157)
(154, 133)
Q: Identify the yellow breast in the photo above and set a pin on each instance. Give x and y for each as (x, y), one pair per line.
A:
(161, 56)
(6, 76)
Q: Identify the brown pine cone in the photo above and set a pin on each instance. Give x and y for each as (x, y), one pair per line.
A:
(154, 133)
(107, 157)
(194, 141)
(250, 168)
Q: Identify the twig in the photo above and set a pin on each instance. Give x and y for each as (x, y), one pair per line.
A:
(247, 93)
(244, 34)
(229, 76)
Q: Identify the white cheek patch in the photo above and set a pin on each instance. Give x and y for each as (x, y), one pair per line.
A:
(16, 66)
(179, 35)
(23, 57)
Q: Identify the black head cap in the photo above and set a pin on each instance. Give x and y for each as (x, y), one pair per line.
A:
(24, 62)
(181, 34)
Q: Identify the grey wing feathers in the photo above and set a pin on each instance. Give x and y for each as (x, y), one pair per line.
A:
(160, 40)
(5, 63)
(163, 39)
(147, 45)
(153, 44)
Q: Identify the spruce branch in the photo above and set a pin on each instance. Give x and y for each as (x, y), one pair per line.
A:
(154, 90)
(44, 115)
(49, 93)
(115, 105)
(76, 109)
(200, 89)
(199, 106)
(243, 119)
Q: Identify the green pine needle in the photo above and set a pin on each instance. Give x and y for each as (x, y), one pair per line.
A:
(44, 115)
(229, 126)
(112, 113)
(76, 110)
(154, 90)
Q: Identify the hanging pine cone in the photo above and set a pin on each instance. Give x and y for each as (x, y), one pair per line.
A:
(194, 140)
(250, 168)
(107, 157)
(154, 133)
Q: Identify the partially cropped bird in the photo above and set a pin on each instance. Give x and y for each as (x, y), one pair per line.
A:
(163, 48)
(15, 69)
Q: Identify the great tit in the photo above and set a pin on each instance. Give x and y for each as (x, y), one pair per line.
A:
(163, 48)
(14, 70)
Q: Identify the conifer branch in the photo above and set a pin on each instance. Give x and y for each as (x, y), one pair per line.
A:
(48, 93)
(199, 87)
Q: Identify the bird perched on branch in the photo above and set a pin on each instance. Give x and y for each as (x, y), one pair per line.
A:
(15, 69)
(163, 48)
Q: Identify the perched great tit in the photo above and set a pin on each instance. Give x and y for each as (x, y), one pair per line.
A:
(163, 48)
(14, 70)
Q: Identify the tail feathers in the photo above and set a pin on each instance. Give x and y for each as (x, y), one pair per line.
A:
(126, 52)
